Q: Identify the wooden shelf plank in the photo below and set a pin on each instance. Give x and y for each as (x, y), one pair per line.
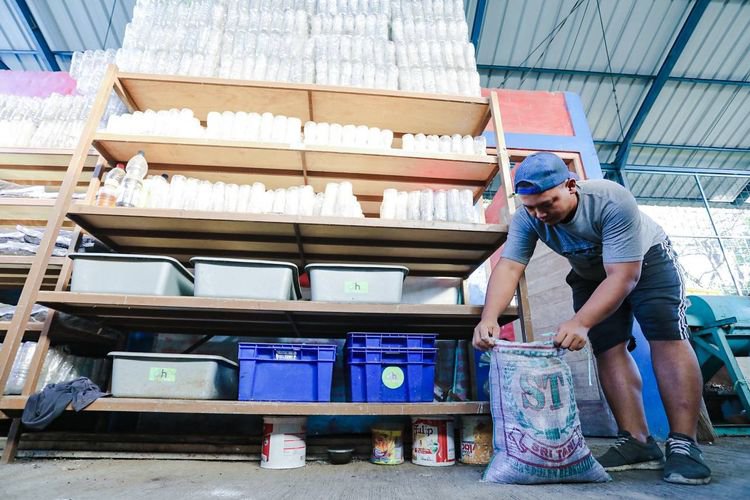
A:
(27, 202)
(27, 212)
(426, 248)
(15, 268)
(32, 326)
(281, 166)
(33, 329)
(399, 111)
(17, 403)
(41, 167)
(265, 318)
(25, 261)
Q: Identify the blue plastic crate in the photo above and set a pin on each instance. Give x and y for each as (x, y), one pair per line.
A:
(390, 374)
(286, 372)
(395, 340)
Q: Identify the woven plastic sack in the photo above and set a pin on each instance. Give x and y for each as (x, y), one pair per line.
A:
(537, 434)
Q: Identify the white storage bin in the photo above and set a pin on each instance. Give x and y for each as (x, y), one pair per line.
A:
(429, 290)
(129, 274)
(245, 279)
(356, 283)
(172, 376)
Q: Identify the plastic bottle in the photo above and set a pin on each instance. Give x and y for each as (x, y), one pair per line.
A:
(107, 195)
(132, 184)
(114, 177)
(137, 166)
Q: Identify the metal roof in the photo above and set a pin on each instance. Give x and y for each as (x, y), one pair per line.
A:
(680, 66)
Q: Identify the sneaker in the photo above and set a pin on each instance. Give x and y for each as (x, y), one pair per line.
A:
(685, 463)
(630, 454)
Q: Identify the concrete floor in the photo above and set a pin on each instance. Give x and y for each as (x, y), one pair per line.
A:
(183, 479)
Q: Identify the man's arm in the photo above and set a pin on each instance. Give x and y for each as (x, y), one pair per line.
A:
(500, 291)
(621, 278)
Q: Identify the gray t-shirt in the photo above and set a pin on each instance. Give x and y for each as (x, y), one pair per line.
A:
(607, 227)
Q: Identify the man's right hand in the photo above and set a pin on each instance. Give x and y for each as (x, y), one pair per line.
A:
(485, 335)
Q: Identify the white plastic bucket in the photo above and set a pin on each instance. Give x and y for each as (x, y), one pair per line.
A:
(476, 439)
(283, 442)
(432, 441)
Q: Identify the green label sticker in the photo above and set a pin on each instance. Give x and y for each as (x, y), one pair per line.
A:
(356, 287)
(393, 377)
(162, 374)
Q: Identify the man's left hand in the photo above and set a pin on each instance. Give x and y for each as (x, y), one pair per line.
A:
(571, 335)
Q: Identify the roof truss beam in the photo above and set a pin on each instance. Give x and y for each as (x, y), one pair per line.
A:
(42, 47)
(686, 147)
(676, 170)
(476, 28)
(606, 74)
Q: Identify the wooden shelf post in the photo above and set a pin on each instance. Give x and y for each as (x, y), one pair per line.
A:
(522, 292)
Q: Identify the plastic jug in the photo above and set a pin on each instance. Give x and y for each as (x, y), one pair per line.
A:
(137, 166)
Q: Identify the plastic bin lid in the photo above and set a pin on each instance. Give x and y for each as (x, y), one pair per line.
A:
(220, 260)
(163, 355)
(134, 257)
(301, 345)
(372, 267)
(266, 263)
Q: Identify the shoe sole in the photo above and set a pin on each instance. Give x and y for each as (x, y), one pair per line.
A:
(680, 479)
(650, 465)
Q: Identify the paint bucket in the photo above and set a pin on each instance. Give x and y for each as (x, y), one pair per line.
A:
(283, 442)
(387, 445)
(476, 439)
(432, 441)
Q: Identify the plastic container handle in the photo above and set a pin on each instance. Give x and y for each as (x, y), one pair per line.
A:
(286, 354)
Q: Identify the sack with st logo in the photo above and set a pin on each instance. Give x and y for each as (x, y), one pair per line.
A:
(537, 434)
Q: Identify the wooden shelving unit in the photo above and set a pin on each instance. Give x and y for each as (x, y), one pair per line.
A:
(15, 404)
(33, 329)
(34, 167)
(402, 112)
(15, 268)
(280, 166)
(436, 248)
(426, 248)
(265, 317)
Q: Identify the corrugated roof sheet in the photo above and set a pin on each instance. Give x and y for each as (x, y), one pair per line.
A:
(639, 33)
(72, 25)
(531, 33)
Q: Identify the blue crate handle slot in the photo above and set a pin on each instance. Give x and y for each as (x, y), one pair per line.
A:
(286, 354)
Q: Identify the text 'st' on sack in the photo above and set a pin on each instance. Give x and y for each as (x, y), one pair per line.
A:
(537, 434)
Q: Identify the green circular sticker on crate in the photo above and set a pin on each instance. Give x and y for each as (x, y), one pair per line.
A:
(393, 377)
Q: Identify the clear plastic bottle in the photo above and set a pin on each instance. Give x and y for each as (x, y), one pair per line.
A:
(114, 176)
(137, 166)
(132, 184)
(107, 195)
(130, 193)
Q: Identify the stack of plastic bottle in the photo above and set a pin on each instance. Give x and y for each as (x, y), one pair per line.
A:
(415, 45)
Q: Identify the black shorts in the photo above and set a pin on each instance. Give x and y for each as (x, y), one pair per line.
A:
(657, 302)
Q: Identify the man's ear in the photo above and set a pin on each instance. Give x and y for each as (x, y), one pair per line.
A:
(570, 185)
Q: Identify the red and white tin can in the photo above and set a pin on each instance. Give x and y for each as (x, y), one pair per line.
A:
(432, 441)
